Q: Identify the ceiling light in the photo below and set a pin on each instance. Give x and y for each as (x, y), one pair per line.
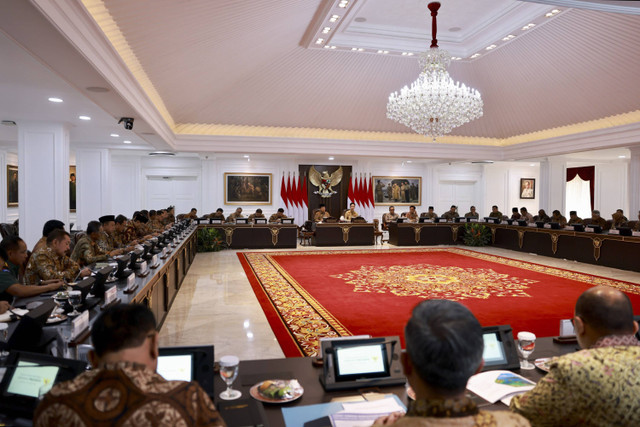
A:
(332, 158)
(319, 41)
(115, 135)
(407, 53)
(84, 117)
(548, 15)
(528, 27)
(434, 104)
(475, 55)
(409, 161)
(384, 52)
(509, 37)
(343, 3)
(162, 153)
(359, 49)
(493, 46)
(126, 141)
(246, 156)
(334, 18)
(532, 164)
(329, 47)
(555, 11)
(55, 100)
(326, 30)
(455, 58)
(622, 157)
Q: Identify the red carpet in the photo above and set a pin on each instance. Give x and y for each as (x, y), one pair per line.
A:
(310, 295)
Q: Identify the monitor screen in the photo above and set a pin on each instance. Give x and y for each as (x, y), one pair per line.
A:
(367, 360)
(493, 351)
(29, 377)
(178, 367)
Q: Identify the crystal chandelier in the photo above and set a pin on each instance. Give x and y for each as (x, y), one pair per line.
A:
(435, 103)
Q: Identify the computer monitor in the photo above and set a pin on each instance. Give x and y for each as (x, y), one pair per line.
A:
(28, 334)
(287, 220)
(26, 373)
(188, 364)
(523, 222)
(123, 261)
(578, 227)
(500, 350)
(540, 224)
(595, 228)
(260, 220)
(242, 221)
(85, 286)
(101, 278)
(360, 359)
(554, 225)
(215, 221)
(422, 219)
(135, 255)
(401, 220)
(625, 231)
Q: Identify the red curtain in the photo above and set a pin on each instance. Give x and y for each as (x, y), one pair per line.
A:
(586, 173)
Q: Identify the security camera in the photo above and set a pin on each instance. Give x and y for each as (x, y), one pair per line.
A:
(128, 122)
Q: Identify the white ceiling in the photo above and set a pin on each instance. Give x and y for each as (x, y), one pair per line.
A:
(254, 65)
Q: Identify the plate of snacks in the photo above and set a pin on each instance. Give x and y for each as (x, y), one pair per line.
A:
(54, 319)
(277, 391)
(543, 363)
(61, 295)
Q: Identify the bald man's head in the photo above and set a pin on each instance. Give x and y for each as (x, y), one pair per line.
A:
(606, 310)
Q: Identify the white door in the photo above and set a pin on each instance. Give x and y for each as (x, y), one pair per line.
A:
(181, 191)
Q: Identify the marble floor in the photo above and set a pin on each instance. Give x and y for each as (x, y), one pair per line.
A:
(217, 305)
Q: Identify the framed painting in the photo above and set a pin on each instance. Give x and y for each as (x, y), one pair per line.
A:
(247, 188)
(527, 188)
(72, 188)
(12, 186)
(396, 190)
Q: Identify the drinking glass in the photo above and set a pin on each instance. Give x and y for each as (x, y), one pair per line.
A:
(229, 372)
(75, 299)
(4, 337)
(526, 345)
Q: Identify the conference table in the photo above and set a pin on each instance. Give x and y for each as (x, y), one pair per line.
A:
(256, 236)
(252, 372)
(605, 249)
(344, 234)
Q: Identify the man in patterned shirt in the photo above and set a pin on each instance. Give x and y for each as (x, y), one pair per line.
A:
(599, 385)
(49, 226)
(87, 251)
(124, 388)
(51, 262)
(109, 240)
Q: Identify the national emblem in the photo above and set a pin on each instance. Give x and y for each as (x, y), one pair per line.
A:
(325, 181)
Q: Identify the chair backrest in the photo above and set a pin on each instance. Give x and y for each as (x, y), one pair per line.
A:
(376, 224)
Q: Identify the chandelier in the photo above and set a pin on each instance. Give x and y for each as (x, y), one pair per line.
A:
(434, 104)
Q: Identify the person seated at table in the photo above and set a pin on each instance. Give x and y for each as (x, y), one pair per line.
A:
(109, 241)
(49, 226)
(526, 215)
(451, 213)
(125, 232)
(596, 386)
(4, 307)
(574, 219)
(596, 219)
(388, 217)
(123, 387)
(52, 262)
(495, 213)
(321, 213)
(430, 214)
(258, 214)
(412, 215)
(87, 251)
(235, 215)
(619, 220)
(218, 214)
(542, 217)
(13, 253)
(278, 216)
(351, 213)
(473, 214)
(515, 214)
(556, 216)
(193, 214)
(637, 226)
(154, 222)
(171, 215)
(444, 348)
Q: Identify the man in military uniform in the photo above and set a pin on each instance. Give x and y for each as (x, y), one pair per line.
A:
(388, 217)
(351, 213)
(412, 215)
(257, 214)
(574, 218)
(278, 216)
(526, 215)
(218, 214)
(237, 214)
(51, 262)
(429, 215)
(556, 216)
(13, 254)
(451, 213)
(515, 214)
(473, 214)
(542, 217)
(321, 213)
(87, 251)
(596, 219)
(49, 226)
(495, 213)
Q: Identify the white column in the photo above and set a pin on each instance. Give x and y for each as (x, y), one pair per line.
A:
(93, 189)
(634, 182)
(553, 177)
(3, 186)
(210, 183)
(43, 177)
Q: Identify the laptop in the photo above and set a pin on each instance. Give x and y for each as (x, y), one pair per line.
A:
(26, 373)
(188, 364)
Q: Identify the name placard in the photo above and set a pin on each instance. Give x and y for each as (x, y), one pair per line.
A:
(143, 266)
(110, 295)
(473, 220)
(569, 228)
(164, 252)
(614, 231)
(79, 324)
(588, 229)
(154, 259)
(131, 279)
(635, 233)
(547, 226)
(532, 224)
(505, 222)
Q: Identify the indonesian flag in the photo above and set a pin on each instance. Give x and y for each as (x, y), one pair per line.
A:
(283, 193)
(372, 200)
(305, 199)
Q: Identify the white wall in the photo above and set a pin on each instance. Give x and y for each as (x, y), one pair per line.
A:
(502, 186)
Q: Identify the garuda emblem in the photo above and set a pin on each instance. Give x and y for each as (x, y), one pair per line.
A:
(325, 181)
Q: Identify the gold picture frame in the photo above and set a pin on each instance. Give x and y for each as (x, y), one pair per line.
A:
(385, 194)
(12, 186)
(72, 188)
(248, 188)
